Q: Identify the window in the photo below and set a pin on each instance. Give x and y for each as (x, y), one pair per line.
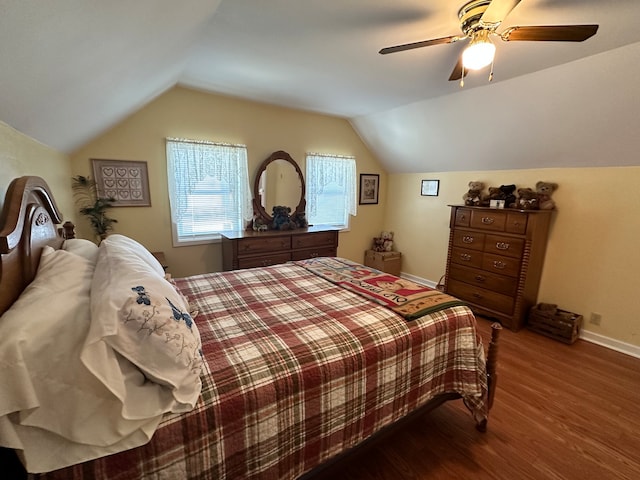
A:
(331, 189)
(208, 189)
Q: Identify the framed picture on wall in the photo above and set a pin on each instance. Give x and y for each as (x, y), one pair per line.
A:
(430, 188)
(369, 187)
(127, 182)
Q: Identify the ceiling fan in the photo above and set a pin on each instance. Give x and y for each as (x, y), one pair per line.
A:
(479, 20)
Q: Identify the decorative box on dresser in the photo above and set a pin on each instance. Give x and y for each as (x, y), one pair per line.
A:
(246, 248)
(495, 260)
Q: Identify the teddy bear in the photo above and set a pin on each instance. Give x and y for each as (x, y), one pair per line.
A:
(299, 220)
(281, 219)
(473, 196)
(544, 190)
(378, 244)
(259, 225)
(494, 194)
(508, 196)
(527, 199)
(387, 241)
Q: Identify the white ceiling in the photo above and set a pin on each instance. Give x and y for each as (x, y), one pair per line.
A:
(70, 69)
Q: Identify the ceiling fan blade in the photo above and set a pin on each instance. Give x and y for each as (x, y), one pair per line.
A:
(550, 33)
(424, 43)
(497, 11)
(458, 72)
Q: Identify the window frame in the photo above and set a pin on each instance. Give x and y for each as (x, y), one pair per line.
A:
(350, 193)
(240, 170)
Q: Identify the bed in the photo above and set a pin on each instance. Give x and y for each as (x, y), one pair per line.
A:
(270, 373)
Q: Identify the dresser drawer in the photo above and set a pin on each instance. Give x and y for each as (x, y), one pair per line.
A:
(503, 245)
(468, 239)
(470, 258)
(313, 253)
(463, 216)
(247, 246)
(481, 297)
(489, 220)
(263, 260)
(480, 278)
(501, 265)
(313, 239)
(516, 222)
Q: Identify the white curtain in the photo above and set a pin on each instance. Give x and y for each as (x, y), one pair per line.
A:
(208, 171)
(324, 170)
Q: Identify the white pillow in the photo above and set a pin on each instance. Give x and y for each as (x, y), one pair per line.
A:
(41, 337)
(138, 315)
(85, 248)
(126, 248)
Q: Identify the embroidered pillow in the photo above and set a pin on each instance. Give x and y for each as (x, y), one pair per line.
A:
(138, 316)
(128, 248)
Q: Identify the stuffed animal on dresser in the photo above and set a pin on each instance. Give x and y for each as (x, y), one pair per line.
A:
(544, 191)
(507, 192)
(527, 199)
(473, 197)
(281, 218)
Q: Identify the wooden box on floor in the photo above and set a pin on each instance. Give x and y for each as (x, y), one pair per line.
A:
(388, 262)
(555, 323)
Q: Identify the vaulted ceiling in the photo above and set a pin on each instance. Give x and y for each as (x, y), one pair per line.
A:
(73, 68)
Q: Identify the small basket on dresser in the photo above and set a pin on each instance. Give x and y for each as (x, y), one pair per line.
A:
(549, 320)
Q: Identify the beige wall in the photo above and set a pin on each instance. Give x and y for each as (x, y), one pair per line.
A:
(186, 113)
(592, 259)
(21, 155)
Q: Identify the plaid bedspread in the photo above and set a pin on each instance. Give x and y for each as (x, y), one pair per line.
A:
(297, 370)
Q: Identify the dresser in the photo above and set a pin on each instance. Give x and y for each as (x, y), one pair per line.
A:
(495, 260)
(247, 249)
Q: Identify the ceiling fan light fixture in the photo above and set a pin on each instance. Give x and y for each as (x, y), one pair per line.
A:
(480, 51)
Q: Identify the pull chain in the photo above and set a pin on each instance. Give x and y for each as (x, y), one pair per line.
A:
(491, 72)
(462, 78)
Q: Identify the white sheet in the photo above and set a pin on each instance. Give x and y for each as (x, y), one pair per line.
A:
(52, 409)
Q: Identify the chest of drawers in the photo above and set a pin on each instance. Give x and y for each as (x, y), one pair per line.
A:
(247, 249)
(495, 260)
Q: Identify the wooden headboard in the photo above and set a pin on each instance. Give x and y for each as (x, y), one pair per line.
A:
(29, 221)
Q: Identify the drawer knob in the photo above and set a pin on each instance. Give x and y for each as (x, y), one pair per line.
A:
(480, 278)
(502, 245)
(465, 256)
(476, 295)
(487, 220)
(499, 265)
(467, 239)
(315, 254)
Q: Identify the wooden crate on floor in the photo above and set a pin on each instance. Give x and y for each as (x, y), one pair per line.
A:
(553, 322)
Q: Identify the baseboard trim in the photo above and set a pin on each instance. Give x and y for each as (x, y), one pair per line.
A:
(610, 343)
(586, 335)
(420, 280)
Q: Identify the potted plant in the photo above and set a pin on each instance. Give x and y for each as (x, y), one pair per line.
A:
(93, 206)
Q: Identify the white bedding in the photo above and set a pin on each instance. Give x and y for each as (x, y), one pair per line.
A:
(53, 409)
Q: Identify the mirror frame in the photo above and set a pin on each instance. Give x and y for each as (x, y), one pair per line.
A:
(258, 209)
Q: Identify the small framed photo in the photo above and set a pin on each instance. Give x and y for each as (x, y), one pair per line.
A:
(127, 182)
(369, 187)
(430, 188)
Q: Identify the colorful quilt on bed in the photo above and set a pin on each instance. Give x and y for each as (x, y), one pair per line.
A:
(404, 297)
(297, 370)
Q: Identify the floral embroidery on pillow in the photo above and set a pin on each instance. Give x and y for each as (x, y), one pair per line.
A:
(163, 322)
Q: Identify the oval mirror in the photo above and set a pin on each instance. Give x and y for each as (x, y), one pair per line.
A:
(279, 181)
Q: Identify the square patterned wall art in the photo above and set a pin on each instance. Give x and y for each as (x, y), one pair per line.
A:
(127, 182)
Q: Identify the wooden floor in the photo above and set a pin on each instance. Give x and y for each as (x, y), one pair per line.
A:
(560, 412)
